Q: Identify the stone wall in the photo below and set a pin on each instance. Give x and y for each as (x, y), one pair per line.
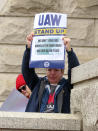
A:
(16, 21)
(84, 96)
(12, 121)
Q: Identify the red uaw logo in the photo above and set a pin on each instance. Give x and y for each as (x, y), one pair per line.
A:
(46, 64)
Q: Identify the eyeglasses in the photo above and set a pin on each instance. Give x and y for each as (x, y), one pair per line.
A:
(22, 88)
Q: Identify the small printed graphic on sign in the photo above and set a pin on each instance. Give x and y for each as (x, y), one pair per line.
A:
(46, 64)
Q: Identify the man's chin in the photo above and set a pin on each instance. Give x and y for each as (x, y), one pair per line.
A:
(53, 82)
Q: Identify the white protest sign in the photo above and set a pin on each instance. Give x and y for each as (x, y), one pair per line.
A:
(16, 102)
(47, 49)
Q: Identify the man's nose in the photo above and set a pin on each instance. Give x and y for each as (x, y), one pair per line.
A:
(52, 72)
(23, 90)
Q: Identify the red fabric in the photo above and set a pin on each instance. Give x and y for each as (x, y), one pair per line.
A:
(20, 81)
(51, 98)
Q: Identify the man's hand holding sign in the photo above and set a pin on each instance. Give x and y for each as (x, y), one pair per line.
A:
(64, 38)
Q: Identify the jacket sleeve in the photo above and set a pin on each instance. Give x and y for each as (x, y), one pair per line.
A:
(72, 62)
(29, 74)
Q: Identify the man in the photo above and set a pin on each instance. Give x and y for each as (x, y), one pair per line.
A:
(52, 92)
(22, 87)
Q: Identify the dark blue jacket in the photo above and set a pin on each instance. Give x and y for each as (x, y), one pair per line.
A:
(36, 84)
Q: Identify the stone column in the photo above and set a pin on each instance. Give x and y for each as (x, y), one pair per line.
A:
(84, 96)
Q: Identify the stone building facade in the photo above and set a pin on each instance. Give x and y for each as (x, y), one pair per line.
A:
(16, 21)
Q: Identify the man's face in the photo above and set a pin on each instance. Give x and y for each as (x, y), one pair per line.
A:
(26, 92)
(54, 75)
